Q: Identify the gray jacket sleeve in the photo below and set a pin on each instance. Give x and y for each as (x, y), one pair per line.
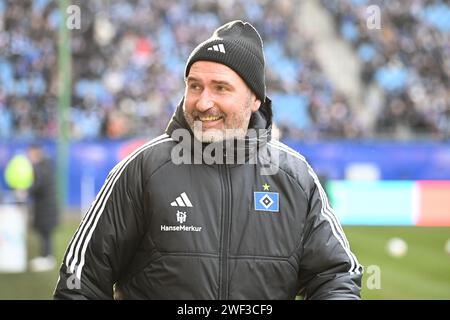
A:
(328, 269)
(107, 237)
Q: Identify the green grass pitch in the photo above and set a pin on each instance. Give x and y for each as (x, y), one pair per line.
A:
(423, 273)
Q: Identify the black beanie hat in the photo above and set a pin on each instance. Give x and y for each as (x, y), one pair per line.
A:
(239, 46)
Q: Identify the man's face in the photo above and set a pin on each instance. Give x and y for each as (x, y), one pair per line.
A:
(217, 102)
(34, 154)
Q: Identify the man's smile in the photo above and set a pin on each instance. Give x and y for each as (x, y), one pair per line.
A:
(210, 121)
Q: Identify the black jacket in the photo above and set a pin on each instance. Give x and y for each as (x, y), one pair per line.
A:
(159, 230)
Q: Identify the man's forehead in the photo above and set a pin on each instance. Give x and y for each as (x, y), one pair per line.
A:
(208, 70)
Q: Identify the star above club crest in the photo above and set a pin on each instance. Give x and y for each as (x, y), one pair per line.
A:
(266, 187)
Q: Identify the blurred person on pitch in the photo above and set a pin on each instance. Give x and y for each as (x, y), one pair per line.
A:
(44, 206)
(161, 228)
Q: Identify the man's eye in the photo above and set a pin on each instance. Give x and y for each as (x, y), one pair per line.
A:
(221, 88)
(194, 86)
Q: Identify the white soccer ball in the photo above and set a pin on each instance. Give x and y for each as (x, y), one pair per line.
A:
(397, 247)
(447, 247)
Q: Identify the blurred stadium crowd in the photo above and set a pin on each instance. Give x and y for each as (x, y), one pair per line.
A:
(128, 63)
(409, 59)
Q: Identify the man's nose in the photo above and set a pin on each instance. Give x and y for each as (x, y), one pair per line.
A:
(205, 102)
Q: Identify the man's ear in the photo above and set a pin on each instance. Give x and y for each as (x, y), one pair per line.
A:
(255, 105)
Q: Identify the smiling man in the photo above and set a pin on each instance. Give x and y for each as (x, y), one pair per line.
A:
(161, 229)
(218, 103)
(225, 83)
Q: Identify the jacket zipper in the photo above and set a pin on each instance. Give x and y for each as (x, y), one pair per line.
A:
(225, 234)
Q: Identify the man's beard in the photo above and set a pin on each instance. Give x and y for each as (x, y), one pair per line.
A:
(216, 135)
(238, 128)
